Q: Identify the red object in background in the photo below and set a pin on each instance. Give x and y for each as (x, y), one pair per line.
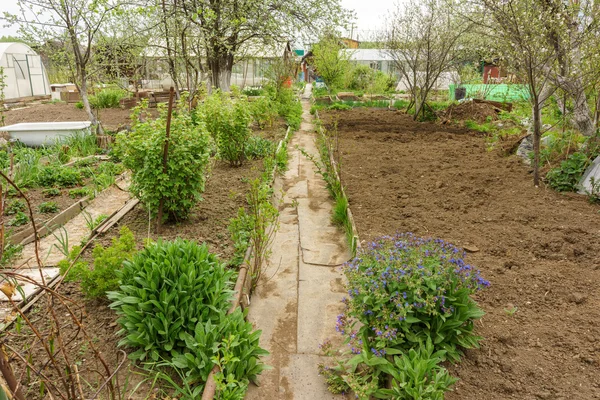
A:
(490, 71)
(288, 82)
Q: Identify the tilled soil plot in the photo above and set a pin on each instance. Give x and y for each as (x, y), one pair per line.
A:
(111, 118)
(540, 249)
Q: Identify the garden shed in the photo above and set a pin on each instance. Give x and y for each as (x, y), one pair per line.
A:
(24, 72)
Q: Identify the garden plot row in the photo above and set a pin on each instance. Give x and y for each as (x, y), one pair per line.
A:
(538, 248)
(220, 222)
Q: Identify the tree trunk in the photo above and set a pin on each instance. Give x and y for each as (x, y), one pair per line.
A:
(537, 134)
(86, 104)
(220, 69)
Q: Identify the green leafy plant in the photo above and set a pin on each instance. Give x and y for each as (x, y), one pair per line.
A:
(422, 290)
(340, 106)
(96, 281)
(10, 253)
(182, 184)
(227, 121)
(57, 175)
(565, 178)
(48, 207)
(165, 291)
(232, 345)
(80, 192)
(107, 98)
(15, 206)
(20, 219)
(263, 112)
(289, 107)
(252, 91)
(254, 227)
(417, 375)
(257, 147)
(51, 192)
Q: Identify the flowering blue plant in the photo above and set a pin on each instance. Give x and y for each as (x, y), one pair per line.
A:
(404, 290)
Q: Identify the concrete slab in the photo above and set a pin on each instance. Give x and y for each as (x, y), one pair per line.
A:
(320, 293)
(30, 288)
(297, 303)
(322, 242)
(301, 380)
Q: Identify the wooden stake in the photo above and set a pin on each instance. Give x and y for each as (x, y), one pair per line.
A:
(165, 156)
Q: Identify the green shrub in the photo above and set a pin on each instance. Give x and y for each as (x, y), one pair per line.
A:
(404, 289)
(48, 207)
(20, 219)
(110, 168)
(96, 281)
(166, 290)
(56, 175)
(15, 206)
(361, 77)
(257, 147)
(289, 107)
(340, 106)
(80, 192)
(51, 192)
(107, 98)
(565, 178)
(227, 121)
(79, 105)
(183, 182)
(263, 112)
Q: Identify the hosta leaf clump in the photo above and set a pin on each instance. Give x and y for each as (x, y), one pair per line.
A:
(166, 291)
(404, 290)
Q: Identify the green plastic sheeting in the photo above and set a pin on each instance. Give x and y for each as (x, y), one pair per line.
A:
(497, 92)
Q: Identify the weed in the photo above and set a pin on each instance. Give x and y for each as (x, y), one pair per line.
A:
(15, 206)
(48, 207)
(565, 178)
(51, 192)
(20, 219)
(80, 192)
(54, 175)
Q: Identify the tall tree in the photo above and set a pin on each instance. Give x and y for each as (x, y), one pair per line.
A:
(520, 27)
(423, 38)
(76, 22)
(227, 27)
(331, 60)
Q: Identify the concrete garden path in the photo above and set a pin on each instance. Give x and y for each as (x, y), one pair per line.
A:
(299, 296)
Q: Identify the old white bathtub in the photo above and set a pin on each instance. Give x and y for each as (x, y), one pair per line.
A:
(45, 133)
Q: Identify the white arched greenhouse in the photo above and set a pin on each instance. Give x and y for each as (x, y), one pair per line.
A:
(24, 72)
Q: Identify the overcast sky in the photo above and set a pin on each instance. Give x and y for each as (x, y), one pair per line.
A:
(370, 15)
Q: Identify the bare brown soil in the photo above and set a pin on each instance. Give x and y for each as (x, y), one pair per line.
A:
(478, 112)
(540, 249)
(36, 198)
(112, 118)
(225, 193)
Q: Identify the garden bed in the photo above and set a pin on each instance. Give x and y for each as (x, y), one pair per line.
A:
(112, 118)
(225, 193)
(539, 249)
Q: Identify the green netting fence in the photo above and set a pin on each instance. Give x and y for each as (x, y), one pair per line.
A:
(495, 92)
